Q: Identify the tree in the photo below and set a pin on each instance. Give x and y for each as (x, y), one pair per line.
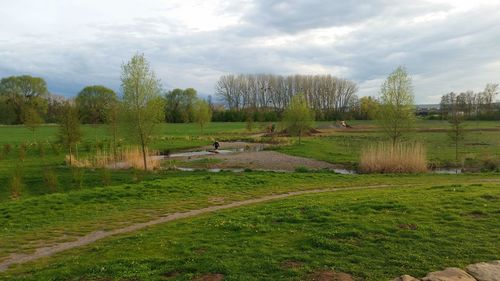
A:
(22, 91)
(396, 114)
(180, 105)
(368, 107)
(93, 102)
(31, 119)
(298, 118)
(455, 119)
(7, 114)
(202, 113)
(69, 128)
(112, 119)
(142, 103)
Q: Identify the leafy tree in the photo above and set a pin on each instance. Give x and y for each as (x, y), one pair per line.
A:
(69, 128)
(7, 114)
(112, 119)
(22, 91)
(142, 103)
(31, 119)
(396, 114)
(368, 107)
(298, 118)
(180, 105)
(202, 113)
(54, 108)
(93, 102)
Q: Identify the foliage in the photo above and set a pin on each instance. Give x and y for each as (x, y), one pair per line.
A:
(50, 179)
(69, 128)
(368, 108)
(179, 105)
(298, 118)
(142, 103)
(396, 114)
(16, 183)
(94, 102)
(31, 119)
(202, 114)
(24, 91)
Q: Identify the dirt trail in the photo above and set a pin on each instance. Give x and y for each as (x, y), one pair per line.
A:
(97, 235)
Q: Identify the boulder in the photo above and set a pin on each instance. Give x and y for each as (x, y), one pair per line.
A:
(485, 271)
(405, 278)
(449, 274)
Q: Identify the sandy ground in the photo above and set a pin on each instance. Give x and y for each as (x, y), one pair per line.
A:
(268, 160)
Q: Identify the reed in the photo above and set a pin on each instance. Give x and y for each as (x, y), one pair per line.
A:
(128, 157)
(385, 157)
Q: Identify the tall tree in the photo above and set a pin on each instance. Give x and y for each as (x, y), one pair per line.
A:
(202, 113)
(93, 102)
(298, 118)
(24, 91)
(179, 106)
(142, 103)
(397, 109)
(112, 119)
(69, 128)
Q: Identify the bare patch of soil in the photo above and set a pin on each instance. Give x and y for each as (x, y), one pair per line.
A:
(209, 277)
(269, 160)
(330, 275)
(477, 214)
(171, 274)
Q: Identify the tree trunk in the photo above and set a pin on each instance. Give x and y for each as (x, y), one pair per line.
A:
(70, 155)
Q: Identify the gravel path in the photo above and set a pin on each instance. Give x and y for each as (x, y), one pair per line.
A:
(98, 235)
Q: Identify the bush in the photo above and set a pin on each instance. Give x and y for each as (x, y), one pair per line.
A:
(16, 184)
(398, 158)
(56, 148)
(50, 179)
(77, 177)
(105, 177)
(7, 148)
(301, 169)
(22, 152)
(41, 149)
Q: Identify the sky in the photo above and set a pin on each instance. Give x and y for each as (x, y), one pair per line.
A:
(446, 45)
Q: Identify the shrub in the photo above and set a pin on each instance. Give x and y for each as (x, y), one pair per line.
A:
(105, 177)
(16, 183)
(7, 148)
(77, 177)
(41, 149)
(397, 158)
(22, 152)
(50, 179)
(301, 169)
(56, 148)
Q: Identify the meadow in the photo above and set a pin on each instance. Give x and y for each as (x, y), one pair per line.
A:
(413, 224)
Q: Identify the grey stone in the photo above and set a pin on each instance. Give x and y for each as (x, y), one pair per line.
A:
(449, 274)
(485, 271)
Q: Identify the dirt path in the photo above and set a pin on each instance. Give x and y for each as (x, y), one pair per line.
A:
(98, 235)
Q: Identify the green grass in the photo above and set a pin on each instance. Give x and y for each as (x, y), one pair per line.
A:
(372, 234)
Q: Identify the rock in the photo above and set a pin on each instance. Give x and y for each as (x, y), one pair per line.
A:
(485, 271)
(405, 278)
(449, 274)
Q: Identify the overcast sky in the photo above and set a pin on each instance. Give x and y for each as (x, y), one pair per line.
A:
(446, 45)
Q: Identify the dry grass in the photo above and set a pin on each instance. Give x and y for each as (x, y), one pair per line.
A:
(129, 157)
(398, 158)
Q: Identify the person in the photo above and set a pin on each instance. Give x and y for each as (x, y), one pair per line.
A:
(216, 145)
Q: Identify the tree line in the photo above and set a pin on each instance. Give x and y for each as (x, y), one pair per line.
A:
(472, 105)
(328, 96)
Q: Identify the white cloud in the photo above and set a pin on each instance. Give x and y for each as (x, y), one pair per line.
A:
(446, 45)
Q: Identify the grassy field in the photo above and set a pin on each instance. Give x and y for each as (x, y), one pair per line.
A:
(371, 234)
